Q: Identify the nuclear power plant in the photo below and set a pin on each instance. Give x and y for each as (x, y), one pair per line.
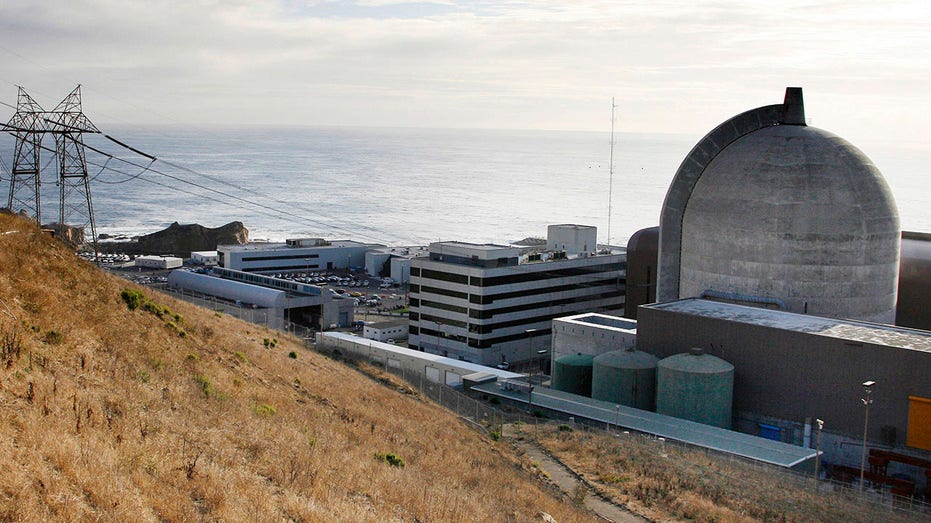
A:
(766, 300)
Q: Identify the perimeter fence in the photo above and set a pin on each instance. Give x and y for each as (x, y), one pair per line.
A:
(489, 415)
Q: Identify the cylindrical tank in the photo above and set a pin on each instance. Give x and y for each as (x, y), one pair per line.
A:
(626, 377)
(697, 387)
(573, 374)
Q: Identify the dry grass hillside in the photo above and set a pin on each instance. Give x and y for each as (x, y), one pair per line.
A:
(170, 412)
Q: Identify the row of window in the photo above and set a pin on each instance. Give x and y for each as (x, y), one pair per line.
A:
(281, 268)
(290, 257)
(519, 276)
(490, 313)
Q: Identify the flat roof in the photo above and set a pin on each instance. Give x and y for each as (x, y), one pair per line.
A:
(603, 320)
(473, 246)
(261, 246)
(851, 330)
(690, 432)
(468, 368)
(386, 324)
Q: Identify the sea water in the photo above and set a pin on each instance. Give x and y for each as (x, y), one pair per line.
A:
(399, 186)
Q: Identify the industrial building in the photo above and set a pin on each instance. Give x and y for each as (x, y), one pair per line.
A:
(791, 367)
(385, 330)
(766, 299)
(275, 302)
(209, 258)
(768, 210)
(491, 304)
(294, 255)
(393, 262)
(158, 262)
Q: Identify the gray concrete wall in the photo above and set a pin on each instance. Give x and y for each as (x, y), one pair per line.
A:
(794, 375)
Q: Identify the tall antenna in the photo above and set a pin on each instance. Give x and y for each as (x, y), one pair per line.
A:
(67, 123)
(611, 170)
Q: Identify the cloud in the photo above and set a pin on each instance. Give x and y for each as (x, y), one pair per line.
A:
(673, 66)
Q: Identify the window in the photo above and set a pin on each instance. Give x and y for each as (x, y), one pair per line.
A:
(444, 276)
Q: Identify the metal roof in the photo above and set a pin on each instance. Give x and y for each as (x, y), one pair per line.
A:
(228, 289)
(690, 432)
(426, 357)
(861, 331)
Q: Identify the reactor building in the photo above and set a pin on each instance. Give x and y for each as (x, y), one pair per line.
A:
(766, 210)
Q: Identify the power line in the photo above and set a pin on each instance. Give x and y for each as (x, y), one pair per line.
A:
(280, 212)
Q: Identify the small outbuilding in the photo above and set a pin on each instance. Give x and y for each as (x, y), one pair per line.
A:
(159, 262)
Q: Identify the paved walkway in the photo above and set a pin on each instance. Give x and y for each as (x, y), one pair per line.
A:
(568, 481)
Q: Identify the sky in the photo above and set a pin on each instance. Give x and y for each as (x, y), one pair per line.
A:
(672, 66)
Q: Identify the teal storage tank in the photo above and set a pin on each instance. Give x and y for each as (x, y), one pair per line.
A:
(697, 387)
(573, 374)
(626, 377)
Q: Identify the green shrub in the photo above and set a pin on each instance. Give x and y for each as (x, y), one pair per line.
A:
(264, 410)
(391, 458)
(205, 386)
(133, 298)
(241, 357)
(565, 428)
(292, 355)
(495, 434)
(191, 357)
(53, 338)
(144, 376)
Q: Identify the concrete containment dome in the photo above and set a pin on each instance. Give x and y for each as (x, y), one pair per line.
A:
(626, 377)
(766, 210)
(697, 387)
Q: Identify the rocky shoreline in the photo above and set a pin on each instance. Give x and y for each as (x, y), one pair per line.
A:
(178, 240)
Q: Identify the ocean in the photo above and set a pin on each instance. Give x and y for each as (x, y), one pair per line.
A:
(400, 186)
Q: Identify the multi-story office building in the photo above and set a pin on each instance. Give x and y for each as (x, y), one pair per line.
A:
(300, 254)
(490, 304)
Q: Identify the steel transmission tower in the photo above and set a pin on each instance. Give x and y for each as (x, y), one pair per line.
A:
(67, 123)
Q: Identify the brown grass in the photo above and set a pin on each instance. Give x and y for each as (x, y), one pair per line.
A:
(118, 416)
(668, 482)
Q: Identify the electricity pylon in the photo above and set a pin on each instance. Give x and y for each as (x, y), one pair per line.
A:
(67, 124)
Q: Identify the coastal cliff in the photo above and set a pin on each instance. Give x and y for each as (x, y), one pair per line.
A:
(180, 240)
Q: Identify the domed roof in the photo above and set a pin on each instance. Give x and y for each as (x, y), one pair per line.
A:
(626, 359)
(576, 360)
(783, 212)
(696, 362)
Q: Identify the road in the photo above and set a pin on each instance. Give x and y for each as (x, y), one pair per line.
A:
(569, 482)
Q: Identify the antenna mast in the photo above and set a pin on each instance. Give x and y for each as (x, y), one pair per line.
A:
(611, 170)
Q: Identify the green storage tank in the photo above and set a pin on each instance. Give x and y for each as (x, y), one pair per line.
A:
(574, 374)
(697, 387)
(626, 377)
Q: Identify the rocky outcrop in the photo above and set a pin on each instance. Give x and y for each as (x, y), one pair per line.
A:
(180, 240)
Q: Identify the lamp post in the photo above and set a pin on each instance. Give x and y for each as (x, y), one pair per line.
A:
(439, 327)
(818, 447)
(530, 333)
(617, 417)
(867, 401)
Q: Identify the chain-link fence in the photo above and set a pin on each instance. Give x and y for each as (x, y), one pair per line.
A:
(487, 414)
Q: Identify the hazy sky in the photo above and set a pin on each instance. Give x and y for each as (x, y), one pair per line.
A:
(673, 66)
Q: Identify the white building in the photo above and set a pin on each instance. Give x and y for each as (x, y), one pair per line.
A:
(276, 302)
(394, 262)
(385, 330)
(204, 257)
(592, 334)
(295, 255)
(158, 262)
(493, 303)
